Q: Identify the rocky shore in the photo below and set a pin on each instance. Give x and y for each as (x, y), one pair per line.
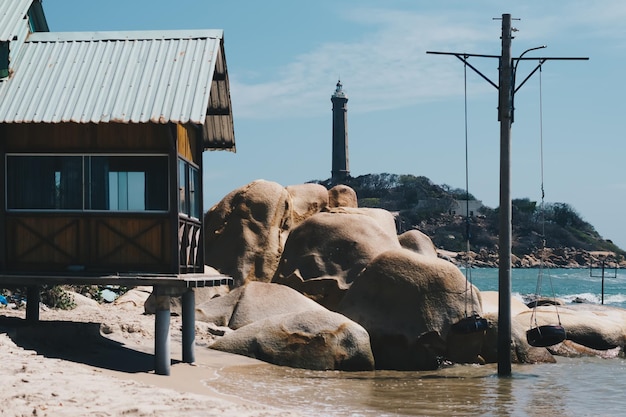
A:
(550, 258)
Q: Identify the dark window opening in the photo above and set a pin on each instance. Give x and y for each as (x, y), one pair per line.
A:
(188, 189)
(111, 183)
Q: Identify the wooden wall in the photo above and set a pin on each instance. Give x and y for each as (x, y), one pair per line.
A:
(98, 242)
(188, 143)
(91, 138)
(112, 243)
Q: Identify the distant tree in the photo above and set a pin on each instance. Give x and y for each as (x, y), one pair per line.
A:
(524, 205)
(564, 215)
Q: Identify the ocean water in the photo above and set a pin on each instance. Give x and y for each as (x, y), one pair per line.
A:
(564, 284)
(572, 387)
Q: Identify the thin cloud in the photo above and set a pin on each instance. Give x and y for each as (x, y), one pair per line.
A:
(388, 64)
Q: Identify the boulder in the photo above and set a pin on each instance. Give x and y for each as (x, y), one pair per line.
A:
(383, 217)
(83, 303)
(490, 303)
(244, 234)
(571, 349)
(134, 299)
(418, 242)
(521, 351)
(306, 200)
(591, 330)
(253, 302)
(342, 196)
(594, 326)
(319, 340)
(408, 303)
(324, 254)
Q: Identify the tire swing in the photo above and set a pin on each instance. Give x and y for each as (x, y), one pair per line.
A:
(471, 323)
(547, 334)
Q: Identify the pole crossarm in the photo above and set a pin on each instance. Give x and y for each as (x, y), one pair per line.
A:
(463, 57)
(541, 61)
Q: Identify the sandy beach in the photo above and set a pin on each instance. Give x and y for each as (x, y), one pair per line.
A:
(97, 360)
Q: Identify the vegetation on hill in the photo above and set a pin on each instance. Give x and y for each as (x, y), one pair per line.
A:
(430, 208)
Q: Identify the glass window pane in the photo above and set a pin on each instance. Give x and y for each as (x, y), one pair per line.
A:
(183, 204)
(136, 191)
(133, 183)
(44, 182)
(194, 200)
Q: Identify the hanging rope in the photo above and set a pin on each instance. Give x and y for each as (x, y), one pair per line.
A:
(542, 218)
(468, 270)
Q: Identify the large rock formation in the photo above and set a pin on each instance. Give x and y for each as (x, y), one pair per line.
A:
(490, 300)
(317, 339)
(408, 303)
(253, 302)
(244, 234)
(591, 329)
(418, 242)
(351, 260)
(325, 253)
(342, 196)
(279, 325)
(521, 351)
(594, 326)
(306, 200)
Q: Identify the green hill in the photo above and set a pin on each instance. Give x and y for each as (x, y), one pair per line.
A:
(434, 210)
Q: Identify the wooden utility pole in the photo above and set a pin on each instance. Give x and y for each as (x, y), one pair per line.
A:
(506, 93)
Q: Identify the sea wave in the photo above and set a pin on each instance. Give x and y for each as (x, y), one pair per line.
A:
(609, 299)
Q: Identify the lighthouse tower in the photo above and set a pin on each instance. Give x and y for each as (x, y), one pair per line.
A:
(341, 167)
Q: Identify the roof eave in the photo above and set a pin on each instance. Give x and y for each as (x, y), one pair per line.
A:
(218, 131)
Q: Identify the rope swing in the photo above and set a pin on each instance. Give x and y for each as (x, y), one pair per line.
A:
(471, 322)
(546, 335)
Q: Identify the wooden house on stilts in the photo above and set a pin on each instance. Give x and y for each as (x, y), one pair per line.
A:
(102, 137)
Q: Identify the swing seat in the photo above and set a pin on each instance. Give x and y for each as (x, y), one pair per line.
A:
(471, 324)
(547, 335)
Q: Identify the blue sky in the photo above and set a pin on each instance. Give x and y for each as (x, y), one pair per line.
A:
(406, 107)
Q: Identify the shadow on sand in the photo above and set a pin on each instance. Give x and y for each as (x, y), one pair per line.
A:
(76, 342)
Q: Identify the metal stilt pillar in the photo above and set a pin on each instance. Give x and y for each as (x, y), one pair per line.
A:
(162, 356)
(189, 325)
(32, 303)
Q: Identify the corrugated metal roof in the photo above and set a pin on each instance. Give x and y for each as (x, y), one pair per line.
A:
(122, 77)
(12, 14)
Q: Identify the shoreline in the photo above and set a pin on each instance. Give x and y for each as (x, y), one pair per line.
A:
(562, 258)
(99, 361)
